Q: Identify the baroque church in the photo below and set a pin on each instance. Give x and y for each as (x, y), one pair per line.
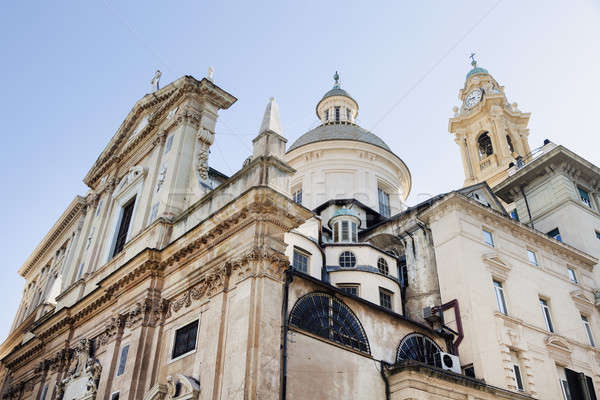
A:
(304, 275)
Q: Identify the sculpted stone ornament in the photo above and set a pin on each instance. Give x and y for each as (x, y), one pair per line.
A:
(83, 374)
(182, 387)
(155, 82)
(204, 138)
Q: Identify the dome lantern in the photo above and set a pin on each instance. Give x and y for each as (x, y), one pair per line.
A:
(337, 106)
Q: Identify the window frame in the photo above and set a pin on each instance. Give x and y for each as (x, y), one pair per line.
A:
(174, 339)
(383, 201)
(500, 296)
(301, 253)
(343, 286)
(383, 266)
(117, 393)
(587, 325)
(557, 236)
(485, 231)
(120, 372)
(588, 198)
(386, 292)
(532, 258)
(297, 195)
(546, 313)
(350, 255)
(572, 275)
(337, 113)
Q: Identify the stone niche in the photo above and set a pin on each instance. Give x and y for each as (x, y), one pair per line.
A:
(83, 374)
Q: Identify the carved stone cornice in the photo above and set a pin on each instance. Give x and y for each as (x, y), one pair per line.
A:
(582, 302)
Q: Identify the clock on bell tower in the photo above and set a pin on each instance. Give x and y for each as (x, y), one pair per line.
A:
(490, 132)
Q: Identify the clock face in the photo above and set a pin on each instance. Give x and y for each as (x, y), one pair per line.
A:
(473, 98)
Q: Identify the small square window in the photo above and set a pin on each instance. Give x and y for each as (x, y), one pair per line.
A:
(349, 288)
(514, 214)
(532, 257)
(385, 298)
(185, 339)
(300, 262)
(488, 238)
(572, 275)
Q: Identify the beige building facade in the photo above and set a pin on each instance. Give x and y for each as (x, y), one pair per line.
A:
(304, 275)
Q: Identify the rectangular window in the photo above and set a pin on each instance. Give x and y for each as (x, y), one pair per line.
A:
(348, 114)
(123, 360)
(337, 114)
(564, 384)
(514, 214)
(185, 339)
(300, 261)
(169, 143)
(297, 196)
(546, 313)
(349, 288)
(44, 392)
(555, 234)
(384, 202)
(354, 232)
(326, 115)
(385, 298)
(499, 291)
(532, 257)
(487, 237)
(99, 207)
(585, 197)
(516, 367)
(588, 330)
(345, 231)
(114, 396)
(572, 275)
(126, 214)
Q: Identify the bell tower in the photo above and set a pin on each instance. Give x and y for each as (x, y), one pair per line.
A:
(490, 132)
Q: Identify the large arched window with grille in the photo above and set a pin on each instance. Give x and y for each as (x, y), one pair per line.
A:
(485, 145)
(325, 316)
(418, 347)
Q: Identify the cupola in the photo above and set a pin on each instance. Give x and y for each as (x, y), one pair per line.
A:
(344, 223)
(337, 106)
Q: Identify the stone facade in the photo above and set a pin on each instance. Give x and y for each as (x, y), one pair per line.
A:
(304, 275)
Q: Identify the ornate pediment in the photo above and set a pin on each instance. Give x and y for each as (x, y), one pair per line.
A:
(496, 264)
(559, 349)
(582, 302)
(134, 175)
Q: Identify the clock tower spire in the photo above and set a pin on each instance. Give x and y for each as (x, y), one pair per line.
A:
(490, 132)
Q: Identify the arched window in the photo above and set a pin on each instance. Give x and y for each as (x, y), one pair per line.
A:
(347, 259)
(327, 317)
(510, 144)
(485, 145)
(382, 266)
(418, 347)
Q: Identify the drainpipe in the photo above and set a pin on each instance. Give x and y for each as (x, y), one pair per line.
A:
(385, 379)
(459, 327)
(527, 205)
(284, 331)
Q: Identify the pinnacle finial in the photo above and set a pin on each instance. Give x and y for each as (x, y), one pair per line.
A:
(336, 78)
(271, 121)
(473, 61)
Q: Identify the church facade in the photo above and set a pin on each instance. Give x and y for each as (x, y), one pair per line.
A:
(304, 275)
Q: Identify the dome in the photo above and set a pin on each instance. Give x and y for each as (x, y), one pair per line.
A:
(336, 91)
(477, 70)
(337, 131)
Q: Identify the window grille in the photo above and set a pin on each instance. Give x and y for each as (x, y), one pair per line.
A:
(329, 318)
(300, 261)
(385, 298)
(347, 260)
(349, 288)
(382, 266)
(418, 347)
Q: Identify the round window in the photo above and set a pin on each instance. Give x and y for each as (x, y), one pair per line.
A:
(382, 266)
(347, 260)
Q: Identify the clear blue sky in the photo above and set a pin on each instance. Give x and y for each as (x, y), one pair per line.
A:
(72, 70)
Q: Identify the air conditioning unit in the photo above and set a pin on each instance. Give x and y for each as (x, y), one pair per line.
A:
(449, 362)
